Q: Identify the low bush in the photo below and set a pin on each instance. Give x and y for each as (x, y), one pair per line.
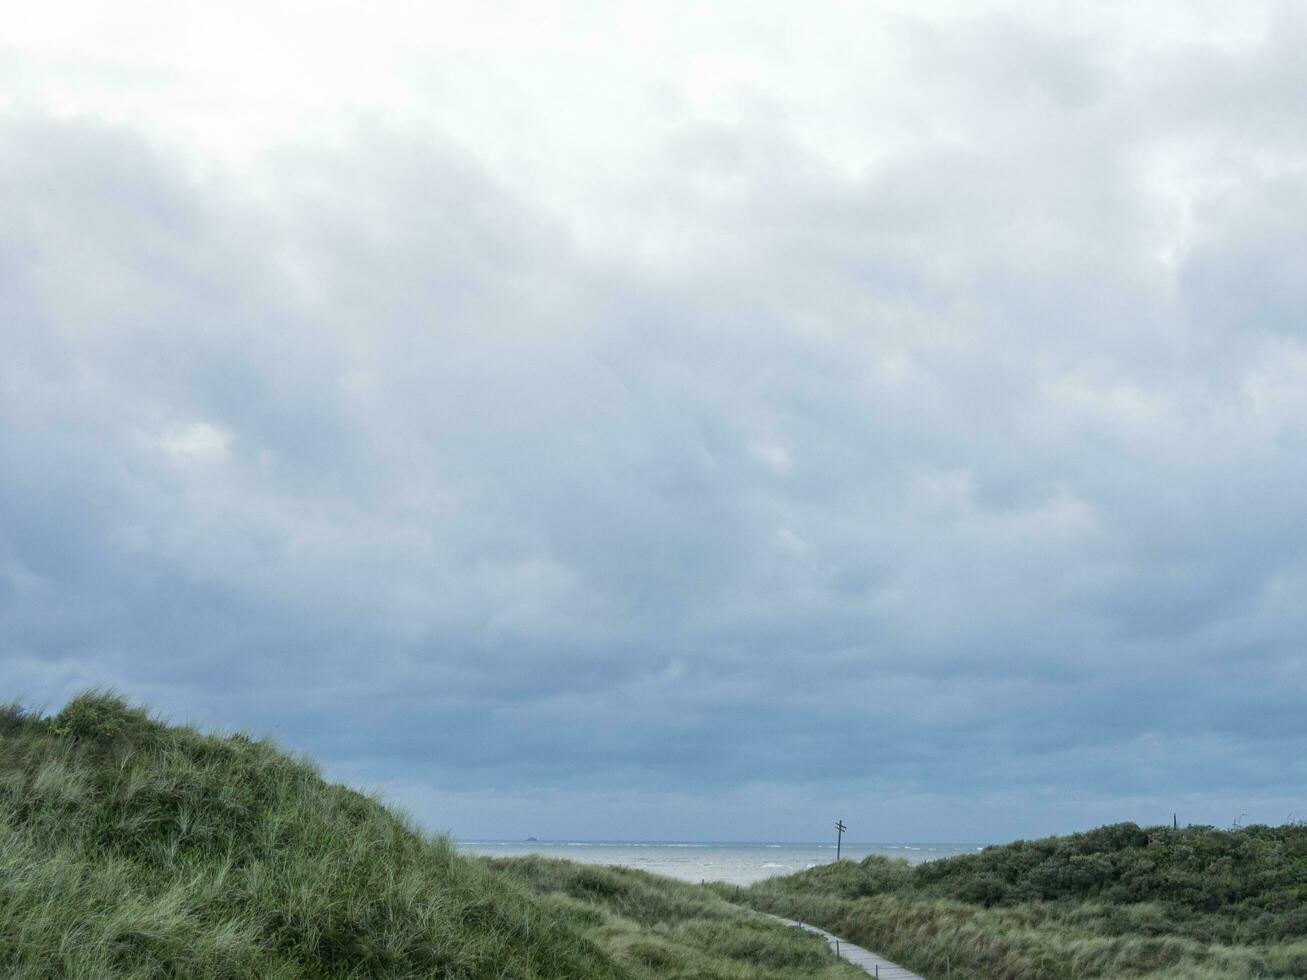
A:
(1120, 901)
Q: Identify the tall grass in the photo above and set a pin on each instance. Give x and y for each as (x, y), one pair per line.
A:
(1120, 901)
(657, 927)
(131, 849)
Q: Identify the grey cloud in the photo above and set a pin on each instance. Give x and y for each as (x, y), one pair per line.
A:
(939, 465)
(1000, 58)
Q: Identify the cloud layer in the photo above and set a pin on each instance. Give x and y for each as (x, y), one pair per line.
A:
(777, 430)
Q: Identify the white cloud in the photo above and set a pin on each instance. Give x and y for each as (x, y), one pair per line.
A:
(517, 376)
(196, 442)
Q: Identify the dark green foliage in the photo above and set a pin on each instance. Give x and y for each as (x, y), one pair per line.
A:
(1255, 877)
(15, 718)
(98, 716)
(1117, 901)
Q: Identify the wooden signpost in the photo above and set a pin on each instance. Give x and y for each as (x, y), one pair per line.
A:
(839, 838)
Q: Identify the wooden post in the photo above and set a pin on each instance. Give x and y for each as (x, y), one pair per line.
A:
(839, 837)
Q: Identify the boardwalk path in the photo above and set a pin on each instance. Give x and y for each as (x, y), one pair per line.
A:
(877, 966)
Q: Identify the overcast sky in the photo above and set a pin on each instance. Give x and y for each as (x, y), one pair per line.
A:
(677, 420)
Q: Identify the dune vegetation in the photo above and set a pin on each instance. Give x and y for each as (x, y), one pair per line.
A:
(661, 927)
(1119, 901)
(134, 849)
(130, 848)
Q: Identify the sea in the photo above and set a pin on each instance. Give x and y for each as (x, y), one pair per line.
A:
(735, 863)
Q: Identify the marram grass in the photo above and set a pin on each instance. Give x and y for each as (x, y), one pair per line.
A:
(1120, 901)
(134, 849)
(659, 927)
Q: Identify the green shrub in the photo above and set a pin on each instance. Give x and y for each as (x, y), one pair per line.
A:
(102, 716)
(1118, 901)
(15, 718)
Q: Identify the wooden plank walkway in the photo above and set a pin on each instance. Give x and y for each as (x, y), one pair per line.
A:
(877, 966)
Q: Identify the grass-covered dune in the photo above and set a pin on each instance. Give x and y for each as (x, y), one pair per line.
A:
(129, 848)
(659, 927)
(1119, 901)
(134, 849)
